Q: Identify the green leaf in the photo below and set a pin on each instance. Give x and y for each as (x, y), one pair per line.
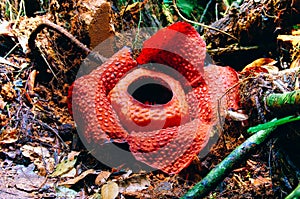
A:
(186, 6)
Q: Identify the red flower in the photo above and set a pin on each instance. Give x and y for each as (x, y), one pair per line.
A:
(165, 132)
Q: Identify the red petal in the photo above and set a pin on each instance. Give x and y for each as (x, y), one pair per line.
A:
(219, 79)
(178, 46)
(92, 110)
(171, 149)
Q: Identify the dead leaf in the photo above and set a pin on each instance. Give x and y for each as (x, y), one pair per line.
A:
(296, 32)
(41, 158)
(73, 154)
(294, 39)
(5, 28)
(265, 65)
(134, 183)
(9, 135)
(260, 181)
(3, 120)
(295, 63)
(19, 181)
(7, 92)
(27, 179)
(102, 177)
(132, 8)
(73, 181)
(63, 167)
(70, 174)
(30, 82)
(2, 103)
(95, 196)
(64, 192)
(110, 190)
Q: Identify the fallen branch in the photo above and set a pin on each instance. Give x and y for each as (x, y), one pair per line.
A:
(52, 26)
(220, 171)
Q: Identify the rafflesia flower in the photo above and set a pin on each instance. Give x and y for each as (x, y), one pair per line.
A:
(163, 104)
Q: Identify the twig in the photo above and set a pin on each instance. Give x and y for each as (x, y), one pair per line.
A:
(232, 49)
(139, 26)
(205, 11)
(47, 63)
(52, 26)
(10, 51)
(201, 24)
(55, 132)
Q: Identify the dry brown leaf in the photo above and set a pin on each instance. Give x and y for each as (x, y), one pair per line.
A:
(73, 155)
(30, 82)
(41, 158)
(3, 120)
(73, 181)
(70, 174)
(102, 177)
(7, 92)
(132, 8)
(295, 63)
(295, 32)
(27, 179)
(291, 38)
(134, 183)
(265, 65)
(2, 103)
(260, 181)
(8, 135)
(110, 190)
(5, 29)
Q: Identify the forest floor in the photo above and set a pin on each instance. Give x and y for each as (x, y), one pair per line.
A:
(41, 153)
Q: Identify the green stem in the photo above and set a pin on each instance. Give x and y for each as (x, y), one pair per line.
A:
(273, 123)
(283, 101)
(295, 194)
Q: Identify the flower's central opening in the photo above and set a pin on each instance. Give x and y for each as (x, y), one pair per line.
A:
(151, 91)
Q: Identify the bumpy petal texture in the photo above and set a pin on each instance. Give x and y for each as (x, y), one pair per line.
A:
(92, 111)
(223, 86)
(179, 46)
